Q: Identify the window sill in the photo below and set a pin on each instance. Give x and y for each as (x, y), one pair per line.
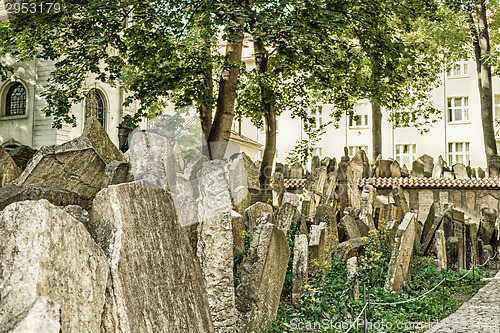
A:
(451, 77)
(358, 127)
(466, 122)
(6, 118)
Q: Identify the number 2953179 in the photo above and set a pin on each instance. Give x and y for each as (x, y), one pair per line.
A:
(20, 7)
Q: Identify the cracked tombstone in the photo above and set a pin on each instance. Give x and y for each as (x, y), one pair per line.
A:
(299, 268)
(160, 273)
(77, 165)
(215, 244)
(402, 253)
(46, 252)
(262, 277)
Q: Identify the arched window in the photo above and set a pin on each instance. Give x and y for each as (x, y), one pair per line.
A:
(15, 102)
(95, 106)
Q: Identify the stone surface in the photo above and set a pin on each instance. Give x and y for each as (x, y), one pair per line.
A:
(296, 171)
(44, 251)
(215, 244)
(327, 214)
(402, 253)
(360, 165)
(180, 162)
(452, 245)
(425, 201)
(242, 199)
(253, 212)
(194, 166)
(299, 268)
(404, 171)
(317, 243)
(480, 173)
(395, 169)
(115, 172)
(243, 172)
(315, 162)
(42, 317)
(77, 165)
(399, 198)
(352, 227)
(428, 165)
(471, 245)
(152, 263)
(183, 186)
(262, 277)
(152, 159)
(278, 188)
(186, 208)
(21, 155)
(487, 225)
(437, 171)
(440, 244)
(432, 223)
(351, 248)
(417, 170)
(13, 193)
(9, 170)
(238, 227)
(460, 171)
(287, 216)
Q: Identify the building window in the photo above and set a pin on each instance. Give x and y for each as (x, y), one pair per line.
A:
(316, 113)
(460, 68)
(497, 107)
(95, 106)
(354, 149)
(360, 116)
(406, 154)
(458, 109)
(458, 152)
(15, 101)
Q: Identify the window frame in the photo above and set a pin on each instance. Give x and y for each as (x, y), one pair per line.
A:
(452, 153)
(317, 113)
(451, 110)
(400, 155)
(105, 109)
(362, 116)
(463, 70)
(4, 92)
(354, 149)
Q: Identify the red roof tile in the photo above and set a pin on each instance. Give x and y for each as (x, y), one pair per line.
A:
(432, 182)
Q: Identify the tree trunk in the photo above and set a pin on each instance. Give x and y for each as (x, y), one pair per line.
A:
(485, 88)
(224, 114)
(376, 129)
(266, 167)
(205, 110)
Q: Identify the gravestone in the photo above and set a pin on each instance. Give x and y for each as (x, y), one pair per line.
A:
(116, 172)
(487, 225)
(417, 168)
(432, 223)
(9, 170)
(352, 227)
(437, 171)
(243, 172)
(352, 248)
(352, 268)
(395, 169)
(238, 227)
(440, 244)
(332, 166)
(404, 172)
(317, 243)
(428, 165)
(448, 175)
(299, 268)
(242, 199)
(452, 245)
(194, 166)
(278, 188)
(287, 216)
(360, 165)
(460, 171)
(425, 201)
(471, 245)
(146, 275)
(402, 253)
(326, 214)
(21, 155)
(399, 198)
(480, 173)
(262, 277)
(296, 171)
(253, 212)
(180, 162)
(46, 252)
(315, 162)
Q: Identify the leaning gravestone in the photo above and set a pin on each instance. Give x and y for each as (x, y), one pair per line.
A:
(402, 253)
(21, 155)
(46, 252)
(428, 165)
(243, 172)
(262, 277)
(299, 268)
(253, 212)
(418, 167)
(487, 226)
(395, 170)
(152, 264)
(8, 170)
(317, 243)
(439, 167)
(360, 165)
(77, 165)
(287, 215)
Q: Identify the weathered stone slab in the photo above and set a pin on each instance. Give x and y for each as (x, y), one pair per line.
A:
(481, 173)
(180, 162)
(352, 267)
(186, 208)
(262, 277)
(488, 201)
(45, 251)
(437, 171)
(428, 165)
(452, 245)
(287, 216)
(152, 160)
(315, 162)
(448, 175)
(395, 169)
(317, 243)
(215, 244)
(460, 171)
(487, 225)
(399, 198)
(21, 155)
(425, 201)
(194, 166)
(351, 248)
(43, 317)
(417, 168)
(152, 264)
(471, 245)
(326, 214)
(77, 165)
(116, 172)
(360, 165)
(13, 193)
(278, 188)
(253, 212)
(296, 171)
(402, 253)
(404, 172)
(242, 172)
(299, 268)
(183, 186)
(440, 244)
(238, 232)
(8, 170)
(352, 227)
